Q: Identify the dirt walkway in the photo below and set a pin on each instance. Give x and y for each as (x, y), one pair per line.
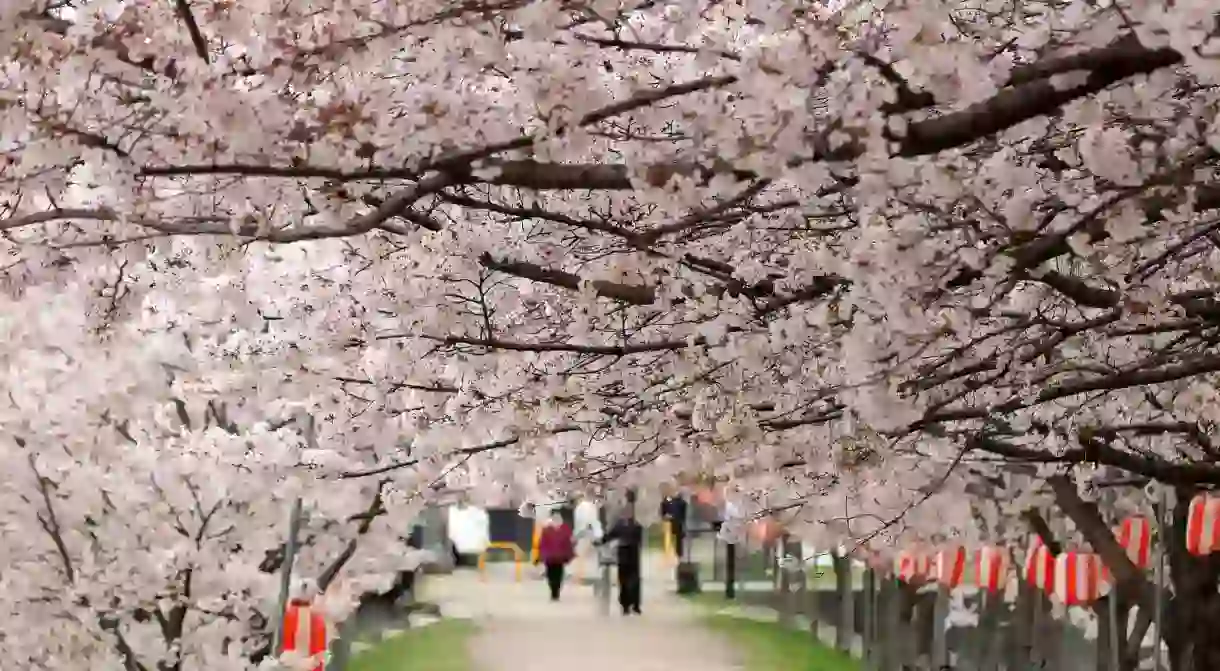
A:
(520, 629)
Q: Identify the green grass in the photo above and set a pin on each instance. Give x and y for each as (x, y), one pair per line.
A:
(772, 647)
(711, 599)
(437, 647)
(654, 536)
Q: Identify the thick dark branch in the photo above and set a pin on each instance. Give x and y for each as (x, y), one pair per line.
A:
(1097, 452)
(396, 205)
(634, 294)
(645, 294)
(908, 98)
(332, 571)
(817, 288)
(1139, 377)
(395, 386)
(1134, 378)
(112, 625)
(1032, 94)
(575, 348)
(1195, 303)
(1106, 66)
(1038, 523)
(1007, 108)
(1130, 582)
(535, 212)
(192, 27)
(50, 523)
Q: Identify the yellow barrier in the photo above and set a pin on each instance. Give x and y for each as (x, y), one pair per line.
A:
(518, 557)
(667, 540)
(534, 542)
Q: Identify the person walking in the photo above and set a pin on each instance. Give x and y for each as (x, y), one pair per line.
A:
(673, 510)
(586, 527)
(629, 535)
(555, 550)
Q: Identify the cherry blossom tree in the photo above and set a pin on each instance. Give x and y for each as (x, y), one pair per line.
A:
(153, 458)
(916, 273)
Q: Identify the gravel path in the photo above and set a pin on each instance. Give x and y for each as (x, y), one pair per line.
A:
(520, 629)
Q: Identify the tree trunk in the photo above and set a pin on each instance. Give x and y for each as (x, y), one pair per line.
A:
(1192, 616)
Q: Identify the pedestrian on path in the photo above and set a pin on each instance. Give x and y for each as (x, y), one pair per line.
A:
(673, 510)
(629, 535)
(555, 550)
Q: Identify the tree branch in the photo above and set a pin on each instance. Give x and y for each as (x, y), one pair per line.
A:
(1130, 582)
(50, 523)
(1038, 523)
(329, 574)
(460, 452)
(192, 27)
(1009, 107)
(575, 348)
(633, 294)
(396, 205)
(1100, 453)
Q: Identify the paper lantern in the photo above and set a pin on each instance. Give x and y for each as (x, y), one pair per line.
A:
(304, 631)
(991, 568)
(912, 566)
(1135, 535)
(1080, 578)
(765, 530)
(1039, 565)
(949, 566)
(707, 496)
(1203, 525)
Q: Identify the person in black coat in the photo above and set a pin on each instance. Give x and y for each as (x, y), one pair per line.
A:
(630, 537)
(673, 509)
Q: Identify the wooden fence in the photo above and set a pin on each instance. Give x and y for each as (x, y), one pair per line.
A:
(894, 626)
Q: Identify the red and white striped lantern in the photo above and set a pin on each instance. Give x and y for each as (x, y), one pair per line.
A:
(305, 631)
(1203, 525)
(912, 566)
(1040, 565)
(949, 566)
(991, 568)
(1135, 535)
(1080, 578)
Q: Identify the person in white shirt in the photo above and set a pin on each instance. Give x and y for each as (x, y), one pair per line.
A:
(469, 530)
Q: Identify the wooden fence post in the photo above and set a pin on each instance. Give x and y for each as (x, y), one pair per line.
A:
(940, 614)
(891, 632)
(1020, 630)
(987, 634)
(911, 617)
(868, 634)
(808, 598)
(784, 587)
(1102, 643)
(730, 570)
(846, 593)
(1049, 636)
(1042, 645)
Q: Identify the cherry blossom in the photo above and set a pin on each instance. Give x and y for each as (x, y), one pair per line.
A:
(891, 273)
